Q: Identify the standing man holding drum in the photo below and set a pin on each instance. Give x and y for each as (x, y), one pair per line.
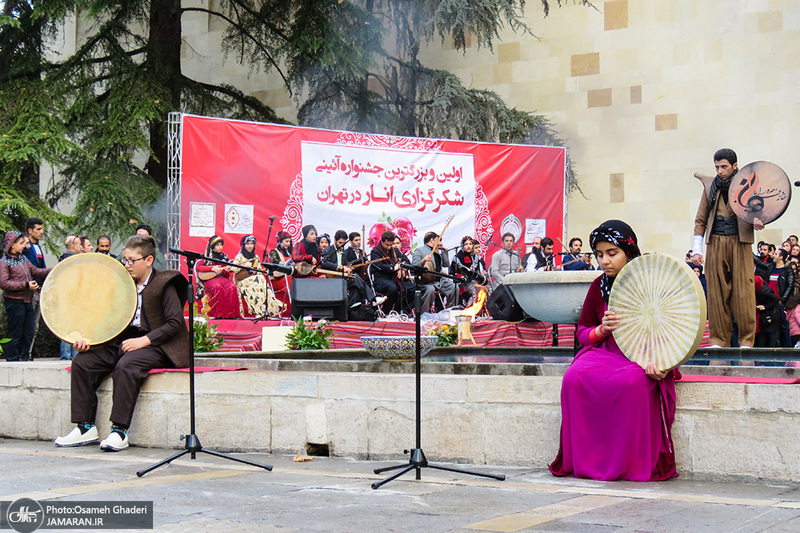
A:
(729, 260)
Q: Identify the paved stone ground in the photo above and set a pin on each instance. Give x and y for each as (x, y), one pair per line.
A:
(210, 494)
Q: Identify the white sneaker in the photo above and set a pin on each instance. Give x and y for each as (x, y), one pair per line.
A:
(715, 346)
(114, 442)
(76, 438)
(378, 300)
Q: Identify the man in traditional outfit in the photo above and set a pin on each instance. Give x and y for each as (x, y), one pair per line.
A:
(729, 261)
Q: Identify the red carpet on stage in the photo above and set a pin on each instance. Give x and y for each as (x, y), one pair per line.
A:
(245, 335)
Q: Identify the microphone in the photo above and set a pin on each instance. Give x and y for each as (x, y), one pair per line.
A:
(283, 269)
(414, 268)
(187, 254)
(272, 218)
(797, 183)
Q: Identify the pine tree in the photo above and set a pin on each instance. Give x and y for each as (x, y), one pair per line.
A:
(349, 64)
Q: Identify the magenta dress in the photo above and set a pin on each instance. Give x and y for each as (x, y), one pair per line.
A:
(616, 421)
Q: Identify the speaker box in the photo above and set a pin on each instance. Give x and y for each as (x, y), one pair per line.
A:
(503, 306)
(320, 298)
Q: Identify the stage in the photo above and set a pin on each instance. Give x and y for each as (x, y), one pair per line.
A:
(242, 335)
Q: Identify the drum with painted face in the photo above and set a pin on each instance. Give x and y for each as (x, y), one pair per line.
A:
(760, 190)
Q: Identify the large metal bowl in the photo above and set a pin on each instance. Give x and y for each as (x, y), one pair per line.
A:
(398, 348)
(556, 297)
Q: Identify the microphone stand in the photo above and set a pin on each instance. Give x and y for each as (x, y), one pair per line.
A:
(193, 445)
(269, 287)
(417, 460)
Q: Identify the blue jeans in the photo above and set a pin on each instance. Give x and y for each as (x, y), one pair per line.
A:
(21, 327)
(67, 351)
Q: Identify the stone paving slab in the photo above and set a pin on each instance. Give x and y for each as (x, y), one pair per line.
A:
(210, 494)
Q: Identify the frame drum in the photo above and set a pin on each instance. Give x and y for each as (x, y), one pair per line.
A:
(89, 296)
(662, 311)
(760, 190)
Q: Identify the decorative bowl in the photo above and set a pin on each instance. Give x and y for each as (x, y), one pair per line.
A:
(398, 348)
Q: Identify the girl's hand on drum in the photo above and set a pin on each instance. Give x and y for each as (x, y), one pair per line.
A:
(653, 372)
(609, 323)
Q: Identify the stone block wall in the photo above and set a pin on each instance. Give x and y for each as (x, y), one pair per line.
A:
(721, 430)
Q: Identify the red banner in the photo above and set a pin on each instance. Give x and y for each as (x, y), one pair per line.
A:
(235, 175)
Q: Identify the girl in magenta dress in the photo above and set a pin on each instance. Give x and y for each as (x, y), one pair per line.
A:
(616, 416)
(223, 298)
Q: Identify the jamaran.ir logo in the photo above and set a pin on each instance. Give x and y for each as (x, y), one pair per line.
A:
(25, 515)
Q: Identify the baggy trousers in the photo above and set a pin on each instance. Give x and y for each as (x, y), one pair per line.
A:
(731, 292)
(130, 370)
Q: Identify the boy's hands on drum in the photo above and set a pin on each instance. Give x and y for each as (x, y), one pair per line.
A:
(81, 345)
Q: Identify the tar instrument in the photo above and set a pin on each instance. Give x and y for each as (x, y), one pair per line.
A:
(244, 272)
(88, 296)
(431, 265)
(304, 269)
(662, 311)
(368, 262)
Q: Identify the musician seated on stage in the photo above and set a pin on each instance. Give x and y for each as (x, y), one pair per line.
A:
(434, 260)
(575, 260)
(616, 416)
(307, 251)
(157, 337)
(505, 261)
(335, 258)
(545, 259)
(469, 265)
(387, 276)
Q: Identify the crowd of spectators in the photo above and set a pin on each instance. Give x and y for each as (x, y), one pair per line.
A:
(777, 286)
(23, 271)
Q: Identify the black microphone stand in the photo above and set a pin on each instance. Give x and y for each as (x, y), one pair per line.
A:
(193, 445)
(417, 460)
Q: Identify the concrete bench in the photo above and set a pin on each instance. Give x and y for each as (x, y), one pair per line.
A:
(722, 430)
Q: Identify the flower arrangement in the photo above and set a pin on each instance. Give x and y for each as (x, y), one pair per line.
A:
(309, 337)
(206, 338)
(447, 333)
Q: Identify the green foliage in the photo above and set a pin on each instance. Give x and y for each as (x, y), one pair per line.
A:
(206, 338)
(447, 333)
(350, 64)
(305, 337)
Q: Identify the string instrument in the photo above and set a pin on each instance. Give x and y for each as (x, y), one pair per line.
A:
(368, 262)
(431, 265)
(205, 276)
(304, 269)
(363, 271)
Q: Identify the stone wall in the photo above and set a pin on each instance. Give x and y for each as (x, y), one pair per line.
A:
(721, 430)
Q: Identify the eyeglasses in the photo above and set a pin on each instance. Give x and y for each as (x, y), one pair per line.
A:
(127, 261)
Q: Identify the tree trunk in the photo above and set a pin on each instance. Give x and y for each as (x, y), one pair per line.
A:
(164, 66)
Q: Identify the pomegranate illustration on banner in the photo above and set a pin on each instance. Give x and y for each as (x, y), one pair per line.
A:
(402, 227)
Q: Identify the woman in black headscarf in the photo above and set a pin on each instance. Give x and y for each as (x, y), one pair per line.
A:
(616, 416)
(217, 282)
(253, 286)
(306, 251)
(281, 283)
